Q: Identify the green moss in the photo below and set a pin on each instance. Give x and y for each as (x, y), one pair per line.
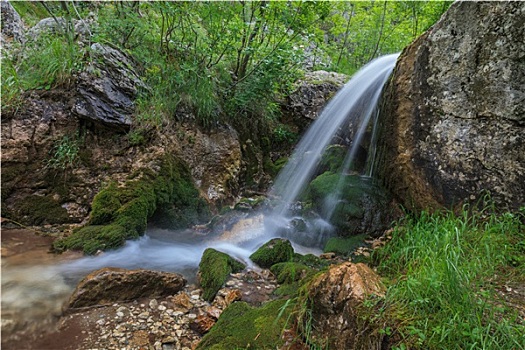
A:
(243, 327)
(273, 252)
(214, 269)
(289, 272)
(344, 246)
(287, 290)
(125, 210)
(105, 205)
(39, 210)
(356, 192)
(333, 158)
(311, 260)
(92, 238)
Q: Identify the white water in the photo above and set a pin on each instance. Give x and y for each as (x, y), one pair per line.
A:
(356, 100)
(181, 251)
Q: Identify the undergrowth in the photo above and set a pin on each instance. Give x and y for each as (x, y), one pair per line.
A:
(446, 273)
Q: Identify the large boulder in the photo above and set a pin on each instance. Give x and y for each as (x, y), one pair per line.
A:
(110, 285)
(336, 297)
(454, 110)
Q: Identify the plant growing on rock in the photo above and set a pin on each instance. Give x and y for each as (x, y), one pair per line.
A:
(65, 153)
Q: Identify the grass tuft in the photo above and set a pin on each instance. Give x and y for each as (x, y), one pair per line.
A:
(445, 274)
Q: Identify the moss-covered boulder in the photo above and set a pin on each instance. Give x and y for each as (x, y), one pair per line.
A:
(273, 252)
(241, 326)
(214, 269)
(344, 246)
(362, 206)
(121, 212)
(289, 272)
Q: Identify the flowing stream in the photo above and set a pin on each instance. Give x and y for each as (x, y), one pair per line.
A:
(36, 291)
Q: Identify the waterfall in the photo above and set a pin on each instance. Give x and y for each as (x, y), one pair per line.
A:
(355, 104)
(356, 101)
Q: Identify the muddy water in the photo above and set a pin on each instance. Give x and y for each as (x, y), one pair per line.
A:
(33, 292)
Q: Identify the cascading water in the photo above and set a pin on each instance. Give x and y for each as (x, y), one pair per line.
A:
(356, 102)
(181, 251)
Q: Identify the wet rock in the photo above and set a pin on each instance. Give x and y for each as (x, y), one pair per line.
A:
(363, 206)
(336, 296)
(454, 110)
(214, 159)
(273, 252)
(109, 285)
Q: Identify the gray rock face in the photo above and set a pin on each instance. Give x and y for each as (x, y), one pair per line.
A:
(454, 112)
(12, 26)
(311, 95)
(107, 88)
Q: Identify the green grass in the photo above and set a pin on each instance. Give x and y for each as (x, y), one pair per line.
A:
(444, 273)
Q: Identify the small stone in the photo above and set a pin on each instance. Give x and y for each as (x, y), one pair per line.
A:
(153, 304)
(202, 324)
(327, 256)
(120, 314)
(213, 312)
(144, 315)
(161, 308)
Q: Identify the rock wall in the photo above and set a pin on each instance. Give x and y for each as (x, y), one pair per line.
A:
(91, 119)
(454, 110)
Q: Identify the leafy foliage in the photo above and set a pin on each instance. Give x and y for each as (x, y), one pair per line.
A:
(217, 61)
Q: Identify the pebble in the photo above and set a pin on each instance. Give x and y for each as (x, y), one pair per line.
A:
(168, 324)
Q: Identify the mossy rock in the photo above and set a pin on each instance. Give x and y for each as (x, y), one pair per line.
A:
(249, 203)
(273, 252)
(344, 246)
(39, 210)
(362, 206)
(311, 260)
(126, 209)
(93, 238)
(214, 269)
(289, 272)
(241, 326)
(332, 158)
